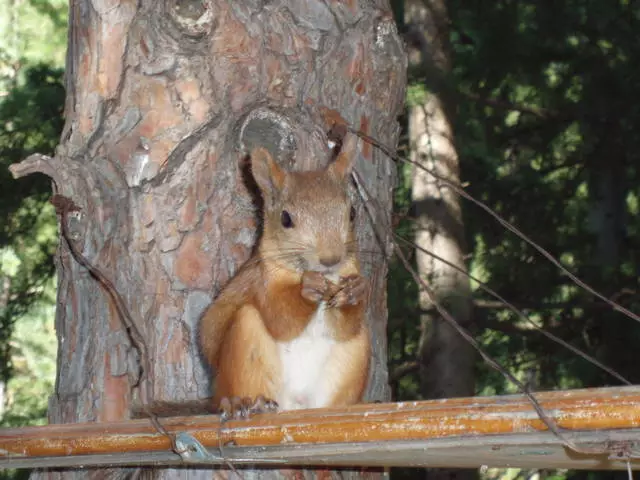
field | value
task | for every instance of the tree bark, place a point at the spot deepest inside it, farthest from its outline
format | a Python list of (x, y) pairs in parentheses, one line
[(446, 359), (162, 100)]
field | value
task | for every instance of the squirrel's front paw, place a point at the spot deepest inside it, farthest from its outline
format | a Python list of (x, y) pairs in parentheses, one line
[(351, 291), (315, 286)]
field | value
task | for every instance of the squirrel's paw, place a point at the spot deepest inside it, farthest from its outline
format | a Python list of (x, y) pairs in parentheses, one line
[(236, 408), (315, 286), (351, 291)]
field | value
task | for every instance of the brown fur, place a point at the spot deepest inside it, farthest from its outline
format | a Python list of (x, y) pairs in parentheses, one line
[(263, 305)]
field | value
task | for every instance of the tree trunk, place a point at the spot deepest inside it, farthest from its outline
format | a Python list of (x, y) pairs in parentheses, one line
[(446, 359), (162, 99), (608, 189)]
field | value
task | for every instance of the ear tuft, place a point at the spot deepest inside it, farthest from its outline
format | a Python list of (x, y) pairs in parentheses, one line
[(266, 172), (343, 165)]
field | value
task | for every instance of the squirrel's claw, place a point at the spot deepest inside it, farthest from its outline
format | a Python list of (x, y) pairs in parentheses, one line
[(351, 291), (236, 408)]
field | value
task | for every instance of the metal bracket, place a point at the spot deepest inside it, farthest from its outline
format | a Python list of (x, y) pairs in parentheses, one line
[(192, 451)]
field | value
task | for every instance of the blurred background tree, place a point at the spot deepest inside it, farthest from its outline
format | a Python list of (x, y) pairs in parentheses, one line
[(544, 98), (32, 50), (544, 124), (544, 111)]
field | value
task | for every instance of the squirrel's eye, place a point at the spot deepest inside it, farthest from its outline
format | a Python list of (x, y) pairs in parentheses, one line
[(352, 214), (285, 219)]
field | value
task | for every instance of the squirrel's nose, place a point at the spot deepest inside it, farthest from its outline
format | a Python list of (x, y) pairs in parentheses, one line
[(330, 260)]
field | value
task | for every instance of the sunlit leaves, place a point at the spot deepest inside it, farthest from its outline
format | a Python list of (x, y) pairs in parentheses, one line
[(32, 50)]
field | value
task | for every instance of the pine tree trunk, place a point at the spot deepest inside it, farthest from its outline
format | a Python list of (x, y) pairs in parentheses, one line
[(162, 98), (608, 189), (446, 359)]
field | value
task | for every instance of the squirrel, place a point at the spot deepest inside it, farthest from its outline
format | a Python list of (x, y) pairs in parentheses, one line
[(290, 327)]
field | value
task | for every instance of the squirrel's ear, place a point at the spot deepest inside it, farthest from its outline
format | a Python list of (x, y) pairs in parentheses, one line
[(343, 165), (266, 172)]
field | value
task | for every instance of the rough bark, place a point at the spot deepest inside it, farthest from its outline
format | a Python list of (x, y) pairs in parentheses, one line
[(162, 99), (446, 359)]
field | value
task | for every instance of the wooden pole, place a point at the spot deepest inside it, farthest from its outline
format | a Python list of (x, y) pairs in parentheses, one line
[(467, 432)]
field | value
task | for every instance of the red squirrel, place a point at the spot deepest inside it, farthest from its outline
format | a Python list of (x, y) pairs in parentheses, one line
[(290, 326)]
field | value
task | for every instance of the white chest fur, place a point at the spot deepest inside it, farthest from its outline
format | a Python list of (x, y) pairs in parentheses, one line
[(303, 361)]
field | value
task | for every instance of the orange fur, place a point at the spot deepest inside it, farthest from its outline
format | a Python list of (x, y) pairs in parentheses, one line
[(262, 310), (350, 368), (240, 341), (248, 363)]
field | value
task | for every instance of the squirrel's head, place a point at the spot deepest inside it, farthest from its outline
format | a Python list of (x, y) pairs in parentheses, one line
[(308, 216)]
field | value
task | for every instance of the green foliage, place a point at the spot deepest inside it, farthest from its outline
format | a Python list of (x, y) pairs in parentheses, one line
[(33, 349), (31, 103), (32, 46), (546, 102), (416, 95), (30, 121), (31, 32), (547, 114)]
